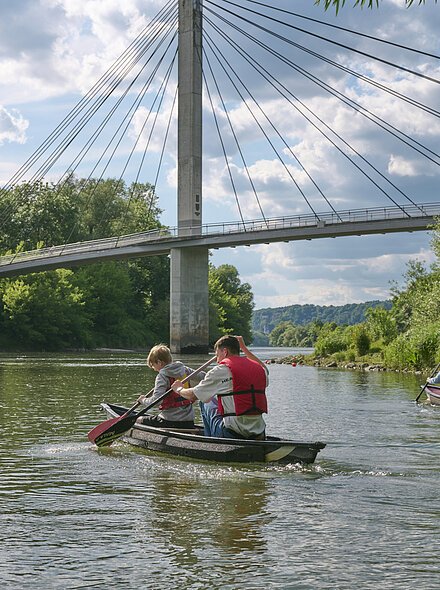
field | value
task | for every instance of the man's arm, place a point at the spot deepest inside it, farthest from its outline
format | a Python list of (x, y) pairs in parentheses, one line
[(208, 387), (250, 355), (187, 393)]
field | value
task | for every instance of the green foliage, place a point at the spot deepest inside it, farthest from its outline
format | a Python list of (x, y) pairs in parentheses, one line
[(331, 339), (401, 353), (361, 340), (110, 304), (231, 303), (265, 320), (44, 311), (289, 334), (338, 4), (42, 214), (381, 324), (418, 348), (260, 339), (75, 210), (402, 334)]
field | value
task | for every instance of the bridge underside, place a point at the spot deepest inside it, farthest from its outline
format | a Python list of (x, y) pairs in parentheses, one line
[(67, 257)]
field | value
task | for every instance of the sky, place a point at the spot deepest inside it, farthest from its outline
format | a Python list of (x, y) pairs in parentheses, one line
[(53, 51)]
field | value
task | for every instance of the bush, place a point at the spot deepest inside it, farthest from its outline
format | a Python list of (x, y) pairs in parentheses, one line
[(330, 341), (401, 353), (361, 341)]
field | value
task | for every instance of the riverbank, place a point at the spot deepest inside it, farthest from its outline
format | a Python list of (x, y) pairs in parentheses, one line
[(331, 363)]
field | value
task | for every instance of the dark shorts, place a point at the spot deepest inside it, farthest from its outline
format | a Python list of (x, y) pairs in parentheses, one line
[(232, 434), (159, 422)]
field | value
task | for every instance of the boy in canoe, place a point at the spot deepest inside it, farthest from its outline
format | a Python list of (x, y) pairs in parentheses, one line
[(232, 395), (175, 410)]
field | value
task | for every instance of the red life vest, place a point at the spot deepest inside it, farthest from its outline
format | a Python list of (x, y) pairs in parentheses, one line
[(173, 399), (248, 387)]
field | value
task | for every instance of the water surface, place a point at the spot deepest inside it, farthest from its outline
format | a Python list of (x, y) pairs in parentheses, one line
[(365, 514)]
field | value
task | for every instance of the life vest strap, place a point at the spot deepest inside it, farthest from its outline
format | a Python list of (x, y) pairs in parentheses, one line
[(252, 411), (229, 393)]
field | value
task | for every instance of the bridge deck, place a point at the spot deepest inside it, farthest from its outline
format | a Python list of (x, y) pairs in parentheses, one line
[(223, 235)]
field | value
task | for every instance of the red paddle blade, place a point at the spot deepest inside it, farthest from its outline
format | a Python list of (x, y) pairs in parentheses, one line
[(105, 433), (101, 428)]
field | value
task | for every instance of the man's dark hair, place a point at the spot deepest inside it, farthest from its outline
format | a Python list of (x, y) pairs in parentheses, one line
[(229, 342)]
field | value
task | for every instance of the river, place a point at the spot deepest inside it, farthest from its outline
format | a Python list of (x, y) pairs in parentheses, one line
[(366, 514)]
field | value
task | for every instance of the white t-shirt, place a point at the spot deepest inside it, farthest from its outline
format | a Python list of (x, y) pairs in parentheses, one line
[(219, 380)]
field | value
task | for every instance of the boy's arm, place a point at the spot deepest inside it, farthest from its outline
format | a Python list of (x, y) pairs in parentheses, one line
[(161, 385)]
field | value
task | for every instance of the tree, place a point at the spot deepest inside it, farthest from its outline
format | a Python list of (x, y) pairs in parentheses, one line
[(381, 324), (42, 215), (44, 311), (231, 303), (111, 304), (331, 339), (361, 340)]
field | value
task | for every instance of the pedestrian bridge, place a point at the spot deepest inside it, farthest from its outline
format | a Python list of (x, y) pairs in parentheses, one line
[(378, 220)]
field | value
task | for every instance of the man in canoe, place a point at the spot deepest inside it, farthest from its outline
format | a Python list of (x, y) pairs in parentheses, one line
[(232, 395), (175, 410)]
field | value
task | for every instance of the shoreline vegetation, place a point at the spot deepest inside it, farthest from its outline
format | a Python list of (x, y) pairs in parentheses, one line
[(403, 338), (125, 304), (330, 363)]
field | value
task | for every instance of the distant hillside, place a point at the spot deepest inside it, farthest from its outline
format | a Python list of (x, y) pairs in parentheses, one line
[(265, 320)]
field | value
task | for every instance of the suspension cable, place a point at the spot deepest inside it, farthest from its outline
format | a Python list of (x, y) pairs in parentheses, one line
[(386, 126), (259, 67), (280, 136), (332, 41), (135, 50), (245, 166), (333, 26)]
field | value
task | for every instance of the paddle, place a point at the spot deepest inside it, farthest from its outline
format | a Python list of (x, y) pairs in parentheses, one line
[(426, 384), (107, 424), (106, 432)]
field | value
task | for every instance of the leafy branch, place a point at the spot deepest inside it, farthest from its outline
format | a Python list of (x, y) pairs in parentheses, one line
[(370, 3)]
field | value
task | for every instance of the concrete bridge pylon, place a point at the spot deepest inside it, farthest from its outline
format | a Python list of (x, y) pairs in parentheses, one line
[(189, 305)]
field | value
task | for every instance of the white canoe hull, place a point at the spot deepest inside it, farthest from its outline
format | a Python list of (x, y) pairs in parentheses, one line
[(433, 393)]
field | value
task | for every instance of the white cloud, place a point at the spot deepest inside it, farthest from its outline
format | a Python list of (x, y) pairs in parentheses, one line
[(52, 51), (401, 166), (12, 126), (65, 45), (327, 272)]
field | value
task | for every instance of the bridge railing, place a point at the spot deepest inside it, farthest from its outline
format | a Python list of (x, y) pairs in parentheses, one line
[(323, 219), (88, 246), (212, 229)]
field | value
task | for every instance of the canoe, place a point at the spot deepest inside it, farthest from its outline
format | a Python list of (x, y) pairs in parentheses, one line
[(193, 444), (433, 393)]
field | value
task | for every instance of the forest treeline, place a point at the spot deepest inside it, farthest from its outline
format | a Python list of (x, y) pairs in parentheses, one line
[(126, 303), (110, 304), (401, 334), (265, 320)]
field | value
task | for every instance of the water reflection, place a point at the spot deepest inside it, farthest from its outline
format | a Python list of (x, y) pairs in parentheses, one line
[(226, 513)]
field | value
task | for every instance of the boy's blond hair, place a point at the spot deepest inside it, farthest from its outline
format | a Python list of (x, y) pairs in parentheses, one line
[(160, 352)]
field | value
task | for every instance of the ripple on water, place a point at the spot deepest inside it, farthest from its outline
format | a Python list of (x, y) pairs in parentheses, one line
[(74, 516)]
